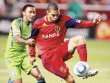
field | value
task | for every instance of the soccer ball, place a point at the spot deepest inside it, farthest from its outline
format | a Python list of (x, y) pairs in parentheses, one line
[(81, 69)]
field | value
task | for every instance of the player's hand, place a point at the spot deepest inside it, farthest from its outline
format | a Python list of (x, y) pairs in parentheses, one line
[(32, 60), (30, 41), (97, 19)]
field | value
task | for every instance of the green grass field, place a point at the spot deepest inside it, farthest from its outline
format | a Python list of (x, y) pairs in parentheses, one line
[(98, 57)]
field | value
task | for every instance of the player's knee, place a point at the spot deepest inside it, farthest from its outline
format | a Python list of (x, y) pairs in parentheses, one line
[(39, 77), (69, 78), (72, 81), (78, 38)]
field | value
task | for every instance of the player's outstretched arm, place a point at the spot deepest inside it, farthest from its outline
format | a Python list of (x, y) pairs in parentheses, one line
[(76, 23), (86, 23)]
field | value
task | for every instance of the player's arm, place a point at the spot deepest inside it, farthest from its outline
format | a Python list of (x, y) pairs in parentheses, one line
[(32, 53), (75, 23), (34, 34), (17, 34), (32, 48), (20, 40)]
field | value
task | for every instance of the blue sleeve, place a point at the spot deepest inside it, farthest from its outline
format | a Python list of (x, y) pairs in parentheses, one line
[(34, 32), (72, 23)]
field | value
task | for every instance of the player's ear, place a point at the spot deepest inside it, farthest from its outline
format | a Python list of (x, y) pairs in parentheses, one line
[(47, 11), (59, 11), (23, 13)]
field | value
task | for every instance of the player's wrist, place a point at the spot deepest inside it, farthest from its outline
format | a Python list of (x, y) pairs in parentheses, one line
[(26, 42), (30, 41), (94, 23)]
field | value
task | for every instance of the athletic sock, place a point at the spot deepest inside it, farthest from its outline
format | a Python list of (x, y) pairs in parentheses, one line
[(82, 51), (41, 81)]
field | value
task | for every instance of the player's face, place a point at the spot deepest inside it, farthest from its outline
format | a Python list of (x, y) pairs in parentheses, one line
[(53, 15), (29, 14)]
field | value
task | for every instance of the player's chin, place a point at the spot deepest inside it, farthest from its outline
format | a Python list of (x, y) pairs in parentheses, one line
[(54, 20), (31, 19)]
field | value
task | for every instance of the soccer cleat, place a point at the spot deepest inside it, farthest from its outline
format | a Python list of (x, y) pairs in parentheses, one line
[(90, 73)]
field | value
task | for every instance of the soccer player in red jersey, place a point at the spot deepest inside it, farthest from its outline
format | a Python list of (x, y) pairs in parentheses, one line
[(49, 33)]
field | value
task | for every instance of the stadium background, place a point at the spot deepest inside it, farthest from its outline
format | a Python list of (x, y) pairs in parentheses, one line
[(98, 39)]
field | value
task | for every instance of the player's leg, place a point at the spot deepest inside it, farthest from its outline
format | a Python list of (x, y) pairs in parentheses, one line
[(15, 75), (32, 70), (36, 73), (69, 78), (54, 63), (13, 64), (78, 43)]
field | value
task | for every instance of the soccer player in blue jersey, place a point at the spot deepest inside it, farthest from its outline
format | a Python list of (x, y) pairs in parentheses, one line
[(16, 55)]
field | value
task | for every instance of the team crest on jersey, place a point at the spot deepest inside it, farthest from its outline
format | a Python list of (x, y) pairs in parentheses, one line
[(62, 69), (57, 28)]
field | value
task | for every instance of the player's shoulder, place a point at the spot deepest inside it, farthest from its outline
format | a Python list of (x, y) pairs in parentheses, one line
[(39, 21), (17, 21), (65, 17)]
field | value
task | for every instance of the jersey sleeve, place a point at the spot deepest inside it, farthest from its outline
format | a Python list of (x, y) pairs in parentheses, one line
[(16, 27), (34, 33), (85, 24), (37, 23), (35, 29), (32, 51), (71, 23), (76, 23)]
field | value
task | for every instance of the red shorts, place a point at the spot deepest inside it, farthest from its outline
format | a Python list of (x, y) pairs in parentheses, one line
[(53, 60)]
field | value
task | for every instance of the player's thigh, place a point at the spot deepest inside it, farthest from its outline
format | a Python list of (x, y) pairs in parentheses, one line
[(26, 66), (62, 51), (74, 42), (14, 71), (55, 64), (14, 65)]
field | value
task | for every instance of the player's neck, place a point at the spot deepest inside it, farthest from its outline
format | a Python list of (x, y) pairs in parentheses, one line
[(25, 21), (48, 19)]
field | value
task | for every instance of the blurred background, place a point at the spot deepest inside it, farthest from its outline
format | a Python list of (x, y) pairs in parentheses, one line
[(80, 9), (98, 38)]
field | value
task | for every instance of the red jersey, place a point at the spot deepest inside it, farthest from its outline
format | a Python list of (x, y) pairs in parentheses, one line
[(52, 35)]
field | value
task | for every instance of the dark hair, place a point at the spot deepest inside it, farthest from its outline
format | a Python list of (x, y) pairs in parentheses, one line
[(27, 5), (52, 6)]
